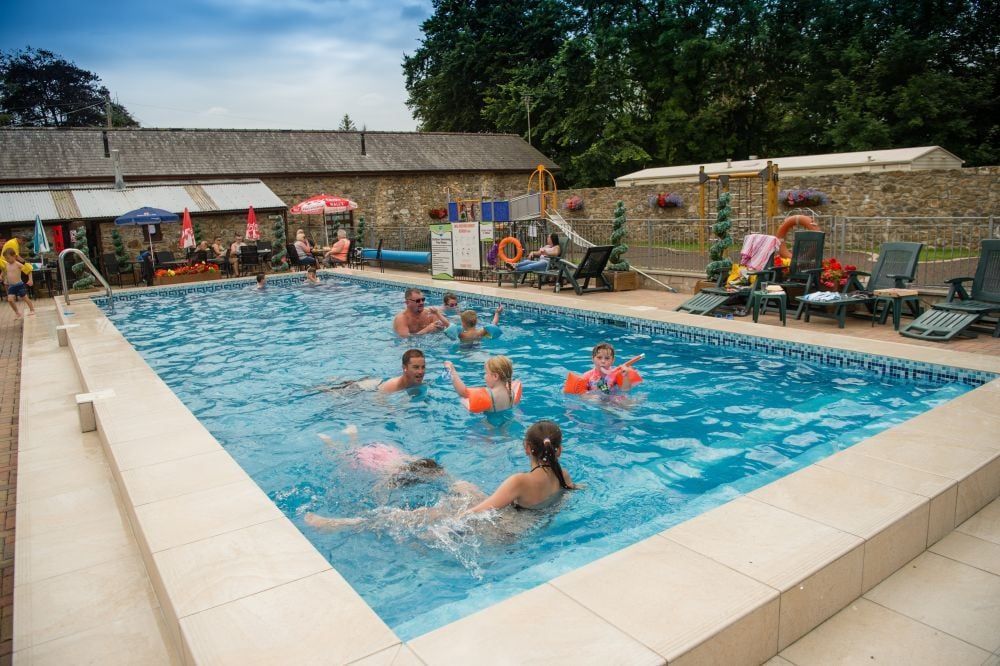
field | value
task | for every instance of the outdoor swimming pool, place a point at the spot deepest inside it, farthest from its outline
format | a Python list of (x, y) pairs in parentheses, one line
[(708, 423)]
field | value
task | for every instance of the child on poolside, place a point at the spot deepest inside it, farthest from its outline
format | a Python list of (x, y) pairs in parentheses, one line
[(534, 489), (311, 277), (13, 270), (501, 391), (469, 332), (605, 377)]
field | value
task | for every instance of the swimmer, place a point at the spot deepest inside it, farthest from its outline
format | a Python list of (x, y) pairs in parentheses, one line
[(605, 377), (469, 331), (501, 391), (534, 489), (415, 319), (449, 303), (311, 277), (261, 280), (399, 469), (414, 369)]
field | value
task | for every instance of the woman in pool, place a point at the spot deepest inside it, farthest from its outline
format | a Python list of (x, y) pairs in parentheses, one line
[(501, 391), (537, 488)]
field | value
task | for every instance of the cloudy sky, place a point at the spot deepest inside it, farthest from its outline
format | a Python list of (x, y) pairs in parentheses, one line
[(291, 64)]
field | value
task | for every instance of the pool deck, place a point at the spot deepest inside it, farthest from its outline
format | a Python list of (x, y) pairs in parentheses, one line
[(136, 552)]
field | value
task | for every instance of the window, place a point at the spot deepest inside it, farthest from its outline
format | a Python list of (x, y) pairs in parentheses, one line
[(157, 232)]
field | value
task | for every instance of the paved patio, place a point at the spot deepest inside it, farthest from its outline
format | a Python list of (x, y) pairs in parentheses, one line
[(943, 607)]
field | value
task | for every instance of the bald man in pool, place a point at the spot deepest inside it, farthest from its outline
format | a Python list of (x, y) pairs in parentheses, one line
[(416, 319)]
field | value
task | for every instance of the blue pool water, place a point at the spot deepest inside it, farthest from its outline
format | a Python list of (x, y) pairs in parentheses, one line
[(708, 422)]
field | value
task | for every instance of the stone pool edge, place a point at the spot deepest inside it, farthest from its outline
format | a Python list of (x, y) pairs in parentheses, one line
[(732, 610)]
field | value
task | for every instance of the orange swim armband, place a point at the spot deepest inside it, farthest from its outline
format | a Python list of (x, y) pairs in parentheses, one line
[(481, 400)]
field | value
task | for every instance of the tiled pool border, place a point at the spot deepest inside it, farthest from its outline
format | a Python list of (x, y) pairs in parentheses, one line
[(566, 624), (882, 365)]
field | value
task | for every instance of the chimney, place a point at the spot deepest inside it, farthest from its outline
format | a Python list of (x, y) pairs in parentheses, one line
[(116, 162), (729, 162), (363, 151)]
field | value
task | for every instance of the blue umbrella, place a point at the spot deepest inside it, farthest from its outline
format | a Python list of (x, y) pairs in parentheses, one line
[(146, 215)]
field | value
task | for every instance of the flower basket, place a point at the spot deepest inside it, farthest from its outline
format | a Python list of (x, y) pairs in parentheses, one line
[(437, 213), (835, 275), (665, 200), (574, 203), (807, 197)]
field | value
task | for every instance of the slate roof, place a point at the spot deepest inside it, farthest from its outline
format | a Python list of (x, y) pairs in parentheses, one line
[(54, 154)]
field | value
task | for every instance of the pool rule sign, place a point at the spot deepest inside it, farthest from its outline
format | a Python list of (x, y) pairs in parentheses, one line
[(442, 267)]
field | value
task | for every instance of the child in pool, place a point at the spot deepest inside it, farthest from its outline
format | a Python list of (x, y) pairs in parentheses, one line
[(534, 489), (605, 377), (261, 282), (311, 277), (469, 331), (398, 468), (501, 391)]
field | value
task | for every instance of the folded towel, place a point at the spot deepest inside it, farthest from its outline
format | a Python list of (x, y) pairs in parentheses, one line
[(774, 289), (757, 250), (822, 296)]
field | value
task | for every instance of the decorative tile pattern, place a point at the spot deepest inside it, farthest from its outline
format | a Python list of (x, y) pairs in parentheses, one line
[(879, 365)]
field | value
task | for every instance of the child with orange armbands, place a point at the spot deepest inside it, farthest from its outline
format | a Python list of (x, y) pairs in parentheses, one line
[(501, 392)]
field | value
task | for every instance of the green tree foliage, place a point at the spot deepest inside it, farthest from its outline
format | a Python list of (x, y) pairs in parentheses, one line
[(616, 261), (347, 125), (84, 280), (121, 254), (40, 89), (279, 258), (620, 86), (721, 264)]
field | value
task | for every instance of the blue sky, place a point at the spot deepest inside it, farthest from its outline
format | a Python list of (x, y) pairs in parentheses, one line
[(291, 64)]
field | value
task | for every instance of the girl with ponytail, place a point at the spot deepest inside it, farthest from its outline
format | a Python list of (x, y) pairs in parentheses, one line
[(534, 489)]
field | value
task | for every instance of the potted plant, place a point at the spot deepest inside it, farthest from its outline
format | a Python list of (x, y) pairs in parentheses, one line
[(622, 278), (720, 265), (665, 200), (183, 274), (438, 213), (574, 203)]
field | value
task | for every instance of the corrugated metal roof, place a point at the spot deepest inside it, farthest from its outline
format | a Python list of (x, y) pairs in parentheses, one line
[(838, 162), (237, 196), (21, 204), (54, 154)]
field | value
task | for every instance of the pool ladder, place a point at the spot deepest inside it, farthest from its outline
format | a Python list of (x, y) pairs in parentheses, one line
[(86, 262)]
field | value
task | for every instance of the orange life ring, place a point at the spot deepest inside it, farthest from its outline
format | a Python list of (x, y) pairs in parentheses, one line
[(804, 221), (510, 240)]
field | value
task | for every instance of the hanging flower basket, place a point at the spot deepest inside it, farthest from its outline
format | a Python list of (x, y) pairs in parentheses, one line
[(806, 197), (574, 203), (665, 200), (438, 213)]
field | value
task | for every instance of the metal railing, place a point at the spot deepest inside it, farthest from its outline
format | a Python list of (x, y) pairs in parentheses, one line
[(951, 244), (90, 266)]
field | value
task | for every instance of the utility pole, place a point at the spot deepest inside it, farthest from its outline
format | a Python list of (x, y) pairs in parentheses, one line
[(527, 106), (107, 109)]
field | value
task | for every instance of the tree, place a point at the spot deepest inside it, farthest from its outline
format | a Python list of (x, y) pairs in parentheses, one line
[(40, 89), (617, 261), (279, 260), (721, 264), (121, 254), (347, 125), (84, 280)]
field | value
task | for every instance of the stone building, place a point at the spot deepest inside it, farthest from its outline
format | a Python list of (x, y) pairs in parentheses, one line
[(67, 177)]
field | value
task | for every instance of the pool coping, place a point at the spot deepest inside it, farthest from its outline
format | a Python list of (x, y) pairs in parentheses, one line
[(883, 504)]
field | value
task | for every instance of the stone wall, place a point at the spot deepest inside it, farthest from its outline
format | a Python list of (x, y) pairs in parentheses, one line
[(973, 192)]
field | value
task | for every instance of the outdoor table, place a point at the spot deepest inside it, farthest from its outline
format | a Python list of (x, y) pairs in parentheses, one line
[(894, 302), (839, 304)]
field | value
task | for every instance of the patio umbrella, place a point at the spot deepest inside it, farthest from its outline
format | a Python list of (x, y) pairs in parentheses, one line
[(253, 231), (146, 215), (187, 231), (41, 242), (321, 204)]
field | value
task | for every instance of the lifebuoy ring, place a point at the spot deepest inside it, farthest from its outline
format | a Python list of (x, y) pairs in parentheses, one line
[(510, 240), (804, 221)]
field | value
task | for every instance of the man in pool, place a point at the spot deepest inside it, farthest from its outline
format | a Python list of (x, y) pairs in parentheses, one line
[(415, 319), (414, 368)]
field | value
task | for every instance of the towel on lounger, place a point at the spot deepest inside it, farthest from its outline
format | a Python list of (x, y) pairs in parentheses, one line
[(757, 250)]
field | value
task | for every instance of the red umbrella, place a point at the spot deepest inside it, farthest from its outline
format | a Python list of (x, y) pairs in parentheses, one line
[(187, 231), (322, 204), (253, 231)]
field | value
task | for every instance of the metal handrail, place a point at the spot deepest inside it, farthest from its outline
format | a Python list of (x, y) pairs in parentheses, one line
[(86, 261)]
